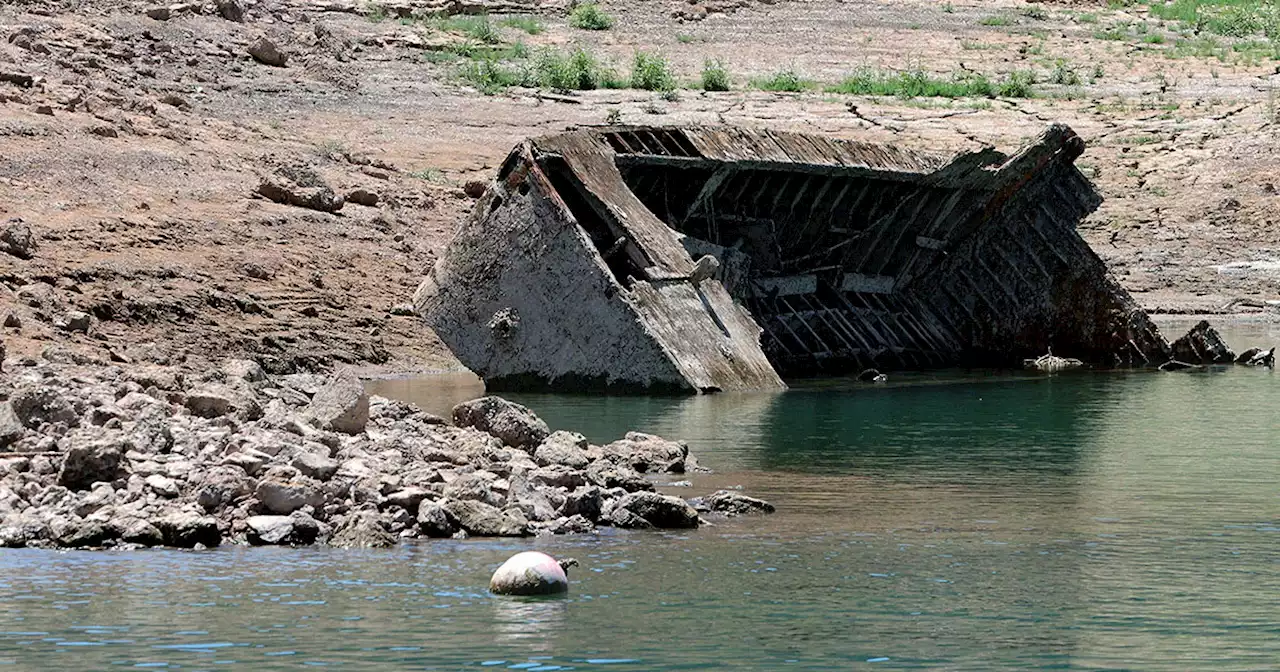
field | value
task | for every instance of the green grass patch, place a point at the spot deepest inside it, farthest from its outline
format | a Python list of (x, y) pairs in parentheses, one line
[(1153, 38), (490, 76), (478, 27), (1087, 17), (783, 80), (428, 174), (1064, 73), (1230, 18), (528, 24), (578, 70), (685, 38), (651, 72), (998, 20), (1036, 12), (921, 84), (715, 77), (589, 16)]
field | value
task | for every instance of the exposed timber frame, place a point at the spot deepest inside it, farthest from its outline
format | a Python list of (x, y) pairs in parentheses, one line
[(717, 258)]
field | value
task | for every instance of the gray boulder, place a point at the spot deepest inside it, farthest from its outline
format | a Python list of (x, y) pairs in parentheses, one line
[(297, 530), (316, 466), (647, 453), (341, 405), (564, 448), (362, 529), (163, 485), (85, 465), (607, 475), (17, 240), (214, 400), (285, 497), (659, 510), (38, 406), (435, 520), (483, 520), (187, 529), (586, 501), (138, 531), (266, 52), (221, 487), (513, 424), (11, 428)]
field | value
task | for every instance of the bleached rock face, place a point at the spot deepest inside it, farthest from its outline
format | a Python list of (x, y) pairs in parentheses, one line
[(529, 573)]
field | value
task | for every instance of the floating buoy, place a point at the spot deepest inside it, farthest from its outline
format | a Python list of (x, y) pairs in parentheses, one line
[(532, 573)]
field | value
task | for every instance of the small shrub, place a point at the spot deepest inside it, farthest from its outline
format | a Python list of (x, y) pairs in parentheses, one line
[(1154, 38), (715, 77), (376, 13), (1064, 73), (997, 20), (577, 71), (490, 76), (651, 73), (477, 27), (528, 24), (784, 80), (1036, 12), (613, 117), (589, 16), (685, 38), (428, 174), (1017, 84), (948, 8)]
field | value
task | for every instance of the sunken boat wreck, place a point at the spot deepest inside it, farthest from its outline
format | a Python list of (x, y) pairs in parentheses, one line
[(698, 259)]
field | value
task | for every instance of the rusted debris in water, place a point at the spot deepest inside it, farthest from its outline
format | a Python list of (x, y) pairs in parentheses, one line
[(721, 258)]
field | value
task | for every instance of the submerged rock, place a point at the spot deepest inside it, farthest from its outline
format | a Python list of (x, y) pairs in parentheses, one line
[(531, 573), (730, 503)]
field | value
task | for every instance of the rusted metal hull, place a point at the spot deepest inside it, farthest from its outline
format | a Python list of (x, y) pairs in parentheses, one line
[(584, 265)]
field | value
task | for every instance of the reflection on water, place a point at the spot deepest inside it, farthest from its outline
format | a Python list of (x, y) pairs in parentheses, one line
[(1091, 520)]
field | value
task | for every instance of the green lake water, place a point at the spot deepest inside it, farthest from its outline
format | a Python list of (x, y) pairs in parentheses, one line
[(958, 521)]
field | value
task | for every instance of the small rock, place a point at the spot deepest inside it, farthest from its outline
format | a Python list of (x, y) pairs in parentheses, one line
[(1202, 345), (319, 198), (163, 486), (159, 13), (316, 466), (46, 110), (74, 321), (104, 131), (513, 424), (17, 240), (363, 197), (283, 498), (231, 10), (341, 405), (731, 503), (266, 52), (586, 502), (12, 321), (214, 400), (403, 310)]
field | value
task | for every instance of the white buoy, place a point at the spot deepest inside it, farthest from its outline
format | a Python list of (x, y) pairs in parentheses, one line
[(531, 573)]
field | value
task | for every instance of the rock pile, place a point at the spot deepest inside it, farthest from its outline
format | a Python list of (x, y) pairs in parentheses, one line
[(114, 457)]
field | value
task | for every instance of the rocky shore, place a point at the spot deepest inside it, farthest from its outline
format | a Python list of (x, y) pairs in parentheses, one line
[(150, 456)]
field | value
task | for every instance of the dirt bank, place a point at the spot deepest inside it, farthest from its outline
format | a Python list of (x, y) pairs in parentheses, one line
[(143, 147)]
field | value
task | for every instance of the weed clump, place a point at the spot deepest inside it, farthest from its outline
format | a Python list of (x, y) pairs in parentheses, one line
[(589, 16), (651, 73), (783, 80), (715, 77)]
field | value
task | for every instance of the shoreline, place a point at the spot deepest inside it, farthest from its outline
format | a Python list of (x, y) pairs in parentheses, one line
[(116, 457)]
